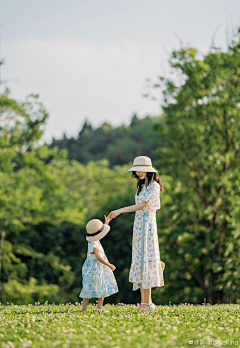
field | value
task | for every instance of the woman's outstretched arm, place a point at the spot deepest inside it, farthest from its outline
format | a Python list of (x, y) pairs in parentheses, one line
[(129, 209)]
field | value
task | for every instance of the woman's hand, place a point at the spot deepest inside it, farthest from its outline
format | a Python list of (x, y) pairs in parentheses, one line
[(112, 267), (114, 214)]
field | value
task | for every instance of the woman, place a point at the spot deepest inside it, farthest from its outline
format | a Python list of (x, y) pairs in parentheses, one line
[(146, 271)]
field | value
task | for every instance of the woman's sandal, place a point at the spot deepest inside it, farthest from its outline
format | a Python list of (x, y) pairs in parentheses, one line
[(102, 310), (151, 307)]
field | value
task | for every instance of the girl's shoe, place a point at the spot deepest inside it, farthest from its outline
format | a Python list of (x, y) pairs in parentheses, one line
[(102, 310), (151, 307)]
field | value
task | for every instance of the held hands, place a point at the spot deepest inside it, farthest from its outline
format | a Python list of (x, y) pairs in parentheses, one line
[(114, 214)]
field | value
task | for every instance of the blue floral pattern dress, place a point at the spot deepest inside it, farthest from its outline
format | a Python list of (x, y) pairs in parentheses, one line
[(98, 279), (146, 266)]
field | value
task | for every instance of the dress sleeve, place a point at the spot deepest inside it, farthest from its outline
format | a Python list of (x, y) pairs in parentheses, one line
[(152, 196), (93, 245)]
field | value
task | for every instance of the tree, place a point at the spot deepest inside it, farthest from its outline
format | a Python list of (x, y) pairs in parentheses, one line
[(20, 126), (119, 145), (29, 191), (201, 133)]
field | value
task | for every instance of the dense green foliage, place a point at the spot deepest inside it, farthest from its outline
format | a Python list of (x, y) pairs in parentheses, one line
[(169, 326), (201, 134), (47, 195), (119, 145)]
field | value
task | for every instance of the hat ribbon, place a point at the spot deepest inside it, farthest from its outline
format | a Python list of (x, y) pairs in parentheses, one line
[(95, 233), (142, 165)]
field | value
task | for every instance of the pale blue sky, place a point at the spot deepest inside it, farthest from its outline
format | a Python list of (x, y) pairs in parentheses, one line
[(89, 59)]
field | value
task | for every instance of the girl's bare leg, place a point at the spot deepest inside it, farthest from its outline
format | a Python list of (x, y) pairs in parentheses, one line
[(100, 303), (145, 298), (85, 303)]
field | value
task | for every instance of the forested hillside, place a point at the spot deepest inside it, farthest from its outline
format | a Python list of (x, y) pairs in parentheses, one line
[(49, 193), (119, 145)]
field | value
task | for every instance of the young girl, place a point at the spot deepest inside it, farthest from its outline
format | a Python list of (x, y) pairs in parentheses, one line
[(97, 272)]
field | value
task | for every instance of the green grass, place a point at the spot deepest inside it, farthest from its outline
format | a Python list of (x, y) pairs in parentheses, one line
[(169, 326)]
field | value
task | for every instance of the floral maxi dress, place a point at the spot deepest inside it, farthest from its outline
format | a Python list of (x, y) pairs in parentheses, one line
[(98, 279), (146, 266)]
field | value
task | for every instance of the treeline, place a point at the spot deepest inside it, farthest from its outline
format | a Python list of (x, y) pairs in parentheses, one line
[(46, 198), (119, 145)]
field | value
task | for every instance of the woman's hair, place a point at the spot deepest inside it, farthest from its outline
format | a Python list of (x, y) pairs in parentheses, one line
[(151, 177)]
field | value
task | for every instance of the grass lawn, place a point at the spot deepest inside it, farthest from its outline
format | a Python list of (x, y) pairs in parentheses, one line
[(169, 326)]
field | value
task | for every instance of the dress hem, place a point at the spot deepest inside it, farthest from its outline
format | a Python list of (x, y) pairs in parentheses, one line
[(99, 296), (154, 286)]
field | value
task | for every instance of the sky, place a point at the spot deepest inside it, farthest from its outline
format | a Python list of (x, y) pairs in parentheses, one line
[(89, 60)]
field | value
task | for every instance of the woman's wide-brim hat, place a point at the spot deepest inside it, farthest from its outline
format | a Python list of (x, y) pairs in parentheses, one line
[(142, 164), (96, 230)]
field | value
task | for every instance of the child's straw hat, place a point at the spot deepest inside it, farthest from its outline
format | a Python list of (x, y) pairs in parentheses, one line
[(142, 164), (96, 230)]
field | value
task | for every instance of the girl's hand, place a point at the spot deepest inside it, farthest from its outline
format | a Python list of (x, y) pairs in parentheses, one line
[(112, 267), (107, 219)]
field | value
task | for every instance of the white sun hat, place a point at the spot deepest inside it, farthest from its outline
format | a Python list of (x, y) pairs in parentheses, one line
[(142, 164), (96, 230)]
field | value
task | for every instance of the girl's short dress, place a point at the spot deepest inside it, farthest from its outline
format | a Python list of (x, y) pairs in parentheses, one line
[(98, 279)]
